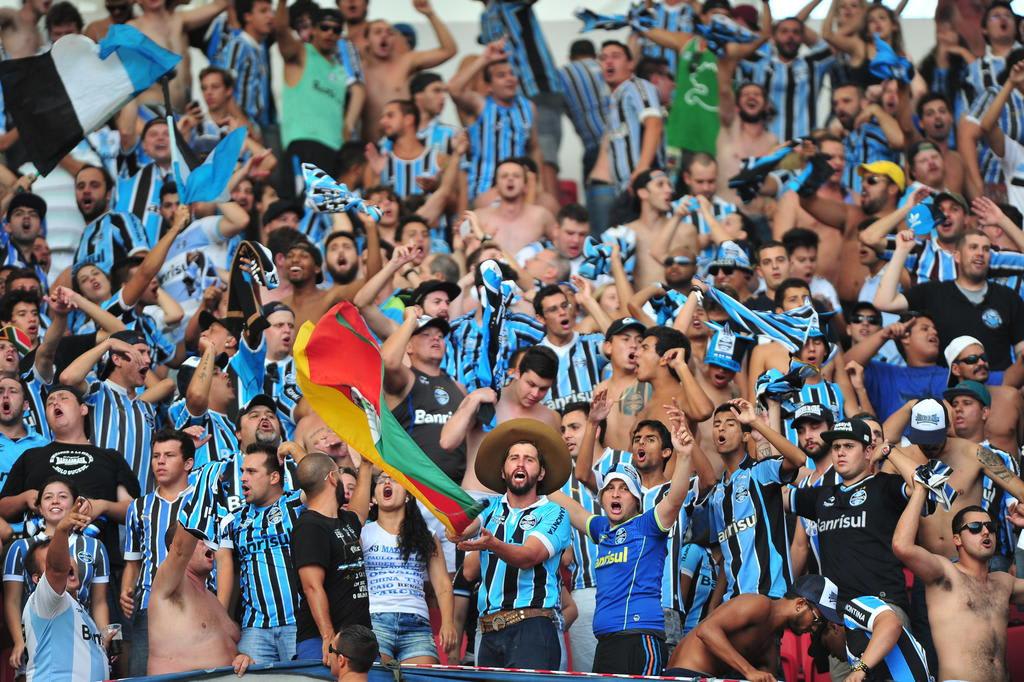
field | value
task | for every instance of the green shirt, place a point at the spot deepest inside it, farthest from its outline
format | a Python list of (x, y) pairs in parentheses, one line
[(314, 108), (693, 119)]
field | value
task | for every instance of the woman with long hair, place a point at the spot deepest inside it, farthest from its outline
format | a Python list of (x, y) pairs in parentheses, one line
[(401, 554), (859, 45), (56, 497)]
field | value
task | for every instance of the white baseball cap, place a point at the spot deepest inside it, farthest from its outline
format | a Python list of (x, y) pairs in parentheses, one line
[(928, 422), (955, 348)]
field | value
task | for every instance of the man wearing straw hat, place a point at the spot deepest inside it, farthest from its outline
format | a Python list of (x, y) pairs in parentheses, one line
[(521, 538)]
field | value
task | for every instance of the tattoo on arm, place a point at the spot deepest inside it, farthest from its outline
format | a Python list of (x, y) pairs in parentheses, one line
[(993, 464)]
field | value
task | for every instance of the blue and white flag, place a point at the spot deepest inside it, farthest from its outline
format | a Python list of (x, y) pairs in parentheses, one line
[(639, 18), (325, 195), (204, 179), (492, 364), (888, 65), (58, 97)]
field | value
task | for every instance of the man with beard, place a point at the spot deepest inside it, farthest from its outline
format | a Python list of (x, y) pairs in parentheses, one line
[(109, 236), (623, 392), (935, 117), (971, 404), (744, 130), (971, 645), (871, 133), (787, 71), (968, 302), (343, 259), (405, 157), (967, 361), (520, 537), (388, 69), (522, 398), (328, 559), (512, 222), (810, 420)]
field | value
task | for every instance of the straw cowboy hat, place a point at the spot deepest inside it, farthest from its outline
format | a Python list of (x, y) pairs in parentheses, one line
[(490, 458)]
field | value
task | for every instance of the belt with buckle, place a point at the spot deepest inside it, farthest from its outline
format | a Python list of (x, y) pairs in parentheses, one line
[(496, 622)]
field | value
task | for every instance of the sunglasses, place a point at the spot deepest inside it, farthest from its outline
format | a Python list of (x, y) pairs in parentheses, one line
[(974, 527), (724, 269), (973, 359), (333, 28), (677, 260), (874, 179), (868, 319)]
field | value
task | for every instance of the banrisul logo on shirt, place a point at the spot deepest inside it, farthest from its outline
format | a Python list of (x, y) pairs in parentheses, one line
[(71, 462)]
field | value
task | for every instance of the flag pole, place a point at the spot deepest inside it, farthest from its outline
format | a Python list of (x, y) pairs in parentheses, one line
[(165, 85)]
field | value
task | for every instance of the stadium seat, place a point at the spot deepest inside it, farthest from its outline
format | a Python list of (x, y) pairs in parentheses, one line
[(1015, 652), (568, 192), (789, 656)]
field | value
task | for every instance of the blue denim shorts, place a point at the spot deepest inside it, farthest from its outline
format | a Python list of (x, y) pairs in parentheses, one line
[(402, 636)]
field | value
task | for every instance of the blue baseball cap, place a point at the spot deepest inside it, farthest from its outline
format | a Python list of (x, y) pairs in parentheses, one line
[(627, 474)]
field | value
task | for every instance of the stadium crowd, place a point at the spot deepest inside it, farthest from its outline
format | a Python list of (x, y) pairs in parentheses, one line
[(744, 399)]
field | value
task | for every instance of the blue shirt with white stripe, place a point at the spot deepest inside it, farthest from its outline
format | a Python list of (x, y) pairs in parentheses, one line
[(499, 132), (1011, 122), (261, 539), (147, 522), (250, 64), (525, 44), (995, 500), (580, 367), (89, 552), (628, 595), (587, 99), (793, 88), (584, 552), (348, 57), (747, 520), (697, 564), (905, 662), (824, 392), (122, 422), (463, 352), (139, 195), (865, 144), (505, 587), (437, 135), (223, 443), (633, 102), (401, 174), (678, 19), (929, 262), (110, 239)]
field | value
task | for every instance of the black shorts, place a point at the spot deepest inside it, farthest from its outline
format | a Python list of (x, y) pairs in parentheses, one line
[(629, 653), (683, 672)]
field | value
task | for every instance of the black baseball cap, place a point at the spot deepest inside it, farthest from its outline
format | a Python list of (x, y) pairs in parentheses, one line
[(276, 307), (131, 336), (624, 324), (30, 200), (208, 319), (425, 322), (328, 14), (259, 400), (850, 429), (429, 287), (819, 591), (279, 208), (813, 412)]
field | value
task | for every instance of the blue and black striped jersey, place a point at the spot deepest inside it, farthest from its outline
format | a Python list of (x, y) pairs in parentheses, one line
[(121, 422), (905, 662), (499, 132), (147, 522), (89, 552), (580, 367)]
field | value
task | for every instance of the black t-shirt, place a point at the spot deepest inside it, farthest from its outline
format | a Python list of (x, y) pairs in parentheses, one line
[(998, 321), (333, 544), (97, 472), (761, 302), (855, 528)]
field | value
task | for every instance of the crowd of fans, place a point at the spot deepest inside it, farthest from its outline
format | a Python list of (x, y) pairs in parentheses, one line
[(765, 358)]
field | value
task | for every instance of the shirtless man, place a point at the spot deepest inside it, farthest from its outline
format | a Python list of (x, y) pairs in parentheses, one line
[(742, 635), (664, 363), (656, 227), (390, 70), (970, 463), (169, 29), (626, 396), (514, 223), (968, 607), (743, 132), (521, 398), (831, 239), (936, 119), (189, 628), (304, 270), (118, 12), (19, 29)]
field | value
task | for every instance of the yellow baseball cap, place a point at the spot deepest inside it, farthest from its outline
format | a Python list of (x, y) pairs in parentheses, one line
[(886, 168)]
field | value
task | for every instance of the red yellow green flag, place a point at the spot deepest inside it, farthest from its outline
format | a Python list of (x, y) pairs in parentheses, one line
[(341, 373)]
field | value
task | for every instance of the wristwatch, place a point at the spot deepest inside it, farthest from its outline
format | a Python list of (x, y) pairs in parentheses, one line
[(861, 666)]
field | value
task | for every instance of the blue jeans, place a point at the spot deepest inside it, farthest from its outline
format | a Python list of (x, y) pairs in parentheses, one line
[(600, 197), (310, 649), (402, 636), (530, 644), (139, 655), (268, 645)]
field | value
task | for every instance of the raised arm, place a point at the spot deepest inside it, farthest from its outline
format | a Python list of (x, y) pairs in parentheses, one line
[(291, 47), (428, 59), (585, 297), (925, 565), (202, 15), (683, 445), (673, 40), (888, 298), (154, 260), (850, 44), (874, 235), (171, 572), (989, 122), (997, 471), (397, 376), (458, 87), (792, 457), (600, 408), (578, 516), (58, 556)]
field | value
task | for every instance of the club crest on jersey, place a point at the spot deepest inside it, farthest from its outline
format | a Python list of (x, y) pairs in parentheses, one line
[(441, 396), (742, 492), (859, 498), (85, 557), (528, 522), (620, 536), (274, 515)]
